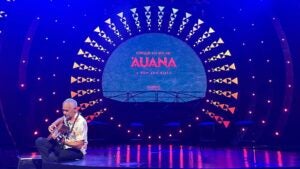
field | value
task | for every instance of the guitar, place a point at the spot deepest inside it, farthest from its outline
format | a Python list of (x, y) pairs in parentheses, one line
[(59, 133)]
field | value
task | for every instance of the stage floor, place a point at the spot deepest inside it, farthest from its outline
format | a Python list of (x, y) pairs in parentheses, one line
[(182, 156)]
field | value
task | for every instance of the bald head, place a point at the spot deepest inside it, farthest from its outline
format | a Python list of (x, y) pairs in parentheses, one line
[(71, 101), (69, 108)]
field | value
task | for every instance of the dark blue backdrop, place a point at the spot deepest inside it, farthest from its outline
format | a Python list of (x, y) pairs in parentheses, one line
[(40, 40)]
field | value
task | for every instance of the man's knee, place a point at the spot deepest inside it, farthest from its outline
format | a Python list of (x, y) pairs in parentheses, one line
[(40, 141)]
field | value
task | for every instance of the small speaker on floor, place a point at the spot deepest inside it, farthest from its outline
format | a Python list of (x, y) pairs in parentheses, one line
[(30, 163)]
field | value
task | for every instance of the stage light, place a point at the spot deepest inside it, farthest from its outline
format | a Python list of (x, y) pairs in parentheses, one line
[(270, 81), (289, 85), (119, 125), (253, 94), (40, 99), (54, 75), (57, 111), (263, 121), (38, 78), (28, 38), (35, 133), (253, 77), (111, 118), (22, 85), (170, 135), (57, 58), (180, 131), (268, 60), (250, 112), (139, 135), (243, 129), (23, 61), (197, 118), (159, 137), (46, 120), (41, 57), (288, 62), (53, 93), (269, 101), (149, 137), (128, 131), (282, 39), (276, 133), (104, 109), (285, 110), (189, 125)]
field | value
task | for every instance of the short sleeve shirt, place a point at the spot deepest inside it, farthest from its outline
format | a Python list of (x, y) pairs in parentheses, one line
[(78, 133)]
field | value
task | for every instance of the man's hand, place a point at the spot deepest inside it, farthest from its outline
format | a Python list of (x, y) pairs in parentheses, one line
[(54, 125), (51, 128)]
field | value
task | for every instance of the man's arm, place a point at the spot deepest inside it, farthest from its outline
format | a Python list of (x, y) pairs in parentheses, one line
[(55, 124), (59, 120), (74, 144)]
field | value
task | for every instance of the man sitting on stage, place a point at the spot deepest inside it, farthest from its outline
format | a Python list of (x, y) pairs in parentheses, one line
[(68, 136)]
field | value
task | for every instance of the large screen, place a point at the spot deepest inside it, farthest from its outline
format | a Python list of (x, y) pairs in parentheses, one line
[(154, 67)]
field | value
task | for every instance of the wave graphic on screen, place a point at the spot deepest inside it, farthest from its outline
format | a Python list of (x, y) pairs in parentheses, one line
[(154, 67)]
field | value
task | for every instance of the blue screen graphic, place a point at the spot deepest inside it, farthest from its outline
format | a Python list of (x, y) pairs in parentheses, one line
[(154, 67)]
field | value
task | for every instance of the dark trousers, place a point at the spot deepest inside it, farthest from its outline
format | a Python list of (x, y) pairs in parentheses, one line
[(51, 151)]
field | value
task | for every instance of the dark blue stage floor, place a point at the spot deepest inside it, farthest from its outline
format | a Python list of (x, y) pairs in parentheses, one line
[(176, 156)]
